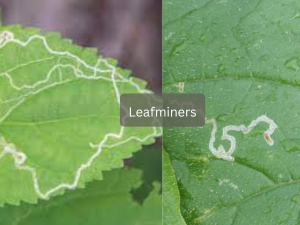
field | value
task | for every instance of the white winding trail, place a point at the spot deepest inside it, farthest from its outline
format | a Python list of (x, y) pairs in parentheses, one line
[(221, 153), (20, 157)]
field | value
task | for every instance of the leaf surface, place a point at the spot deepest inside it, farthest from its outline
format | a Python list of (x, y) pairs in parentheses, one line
[(59, 115), (101, 202), (244, 57), (171, 198)]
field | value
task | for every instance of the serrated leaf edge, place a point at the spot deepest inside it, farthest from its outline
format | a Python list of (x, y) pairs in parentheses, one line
[(20, 157)]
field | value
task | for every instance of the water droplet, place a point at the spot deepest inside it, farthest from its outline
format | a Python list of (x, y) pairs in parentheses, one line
[(234, 50), (202, 38), (221, 68), (223, 48), (296, 16), (291, 145), (238, 108), (219, 57), (264, 58), (179, 48), (292, 64), (295, 198), (222, 118)]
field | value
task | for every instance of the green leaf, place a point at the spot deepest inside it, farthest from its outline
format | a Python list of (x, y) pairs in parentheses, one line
[(59, 115), (244, 57), (101, 202), (150, 161), (171, 204)]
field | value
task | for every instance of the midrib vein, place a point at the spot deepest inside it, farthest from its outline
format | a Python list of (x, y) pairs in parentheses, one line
[(20, 123)]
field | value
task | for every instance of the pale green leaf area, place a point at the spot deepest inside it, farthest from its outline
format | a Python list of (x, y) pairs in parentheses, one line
[(171, 199), (101, 202), (244, 57), (59, 115)]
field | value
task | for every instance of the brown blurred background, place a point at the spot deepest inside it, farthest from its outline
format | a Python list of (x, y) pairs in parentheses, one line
[(127, 30)]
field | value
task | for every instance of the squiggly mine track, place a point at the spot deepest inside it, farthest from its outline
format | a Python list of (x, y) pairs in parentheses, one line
[(221, 153), (20, 157)]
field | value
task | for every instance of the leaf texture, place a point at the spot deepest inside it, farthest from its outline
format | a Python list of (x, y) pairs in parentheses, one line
[(171, 203), (59, 115), (102, 202), (244, 57)]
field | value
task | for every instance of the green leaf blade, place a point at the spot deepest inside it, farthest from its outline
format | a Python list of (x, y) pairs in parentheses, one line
[(93, 205), (244, 60), (59, 115), (171, 198)]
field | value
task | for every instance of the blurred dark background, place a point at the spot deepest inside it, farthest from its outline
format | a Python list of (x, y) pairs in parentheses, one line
[(127, 30)]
